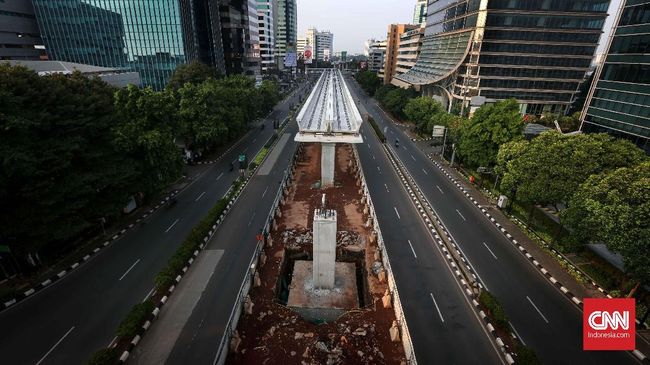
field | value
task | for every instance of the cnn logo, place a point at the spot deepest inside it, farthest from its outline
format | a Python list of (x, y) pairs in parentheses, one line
[(608, 324)]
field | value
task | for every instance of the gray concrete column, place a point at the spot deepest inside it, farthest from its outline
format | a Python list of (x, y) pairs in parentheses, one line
[(324, 248), (327, 158)]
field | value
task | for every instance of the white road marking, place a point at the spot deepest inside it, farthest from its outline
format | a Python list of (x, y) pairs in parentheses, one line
[(493, 255), (255, 139), (442, 192), (199, 197), (398, 217), (112, 342), (387, 188), (245, 149), (220, 175), (425, 172), (460, 215), (373, 157), (368, 144), (251, 220), (412, 157), (264, 193), (436, 304), (537, 309), (412, 250), (517, 333), (127, 271), (148, 295), (173, 224), (55, 345), (378, 169)]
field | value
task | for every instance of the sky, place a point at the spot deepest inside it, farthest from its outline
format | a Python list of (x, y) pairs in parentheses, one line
[(354, 21)]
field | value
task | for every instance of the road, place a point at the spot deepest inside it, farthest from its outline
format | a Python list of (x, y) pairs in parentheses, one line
[(545, 319), (442, 323), (66, 322)]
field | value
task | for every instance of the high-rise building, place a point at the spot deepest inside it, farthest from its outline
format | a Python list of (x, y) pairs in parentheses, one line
[(376, 53), (534, 51), (266, 11), (300, 45), (395, 32), (240, 35), (149, 37), (20, 38), (408, 51), (286, 32), (312, 40), (324, 45), (420, 12), (619, 100)]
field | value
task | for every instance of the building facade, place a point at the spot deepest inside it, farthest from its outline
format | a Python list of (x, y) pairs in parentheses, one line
[(408, 52), (376, 54), (20, 38), (266, 10), (537, 52), (240, 36), (301, 42), (394, 35), (147, 37), (324, 45), (619, 100), (286, 32), (420, 12)]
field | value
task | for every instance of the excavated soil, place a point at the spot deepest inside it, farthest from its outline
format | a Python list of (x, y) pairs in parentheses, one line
[(274, 333)]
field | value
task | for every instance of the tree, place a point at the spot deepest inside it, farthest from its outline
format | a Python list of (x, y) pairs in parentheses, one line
[(451, 121), (614, 208), (395, 99), (369, 81), (145, 132), (61, 170), (193, 73), (269, 96), (491, 126), (420, 111)]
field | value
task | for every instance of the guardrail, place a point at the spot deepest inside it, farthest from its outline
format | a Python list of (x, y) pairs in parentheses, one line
[(407, 343)]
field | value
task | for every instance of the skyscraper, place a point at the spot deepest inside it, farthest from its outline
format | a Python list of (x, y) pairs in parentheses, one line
[(266, 11), (20, 38), (619, 100), (420, 12), (324, 45), (240, 32), (286, 33), (150, 37), (534, 51), (393, 37)]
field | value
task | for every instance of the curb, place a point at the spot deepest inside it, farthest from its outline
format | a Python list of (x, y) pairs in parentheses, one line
[(87, 257)]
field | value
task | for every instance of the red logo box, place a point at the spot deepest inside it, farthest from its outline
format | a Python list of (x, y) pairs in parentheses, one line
[(608, 324)]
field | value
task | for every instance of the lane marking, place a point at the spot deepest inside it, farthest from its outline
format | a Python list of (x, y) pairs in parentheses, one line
[(436, 304), (441, 192), (127, 271), (245, 149), (264, 193), (55, 345), (251, 220), (148, 295), (387, 188), (112, 342), (173, 224), (254, 140), (412, 250), (537, 309), (493, 255), (220, 175), (425, 172), (517, 333), (378, 169), (373, 157), (412, 157), (461, 215), (199, 197), (398, 217), (368, 144)]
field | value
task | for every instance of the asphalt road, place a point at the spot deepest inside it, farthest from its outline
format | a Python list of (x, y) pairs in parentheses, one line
[(544, 318), (442, 323), (199, 340), (66, 322)]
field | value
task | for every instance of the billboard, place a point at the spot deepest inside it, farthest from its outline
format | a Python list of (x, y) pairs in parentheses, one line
[(308, 54)]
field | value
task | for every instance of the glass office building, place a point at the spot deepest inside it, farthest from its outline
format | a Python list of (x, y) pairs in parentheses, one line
[(20, 38), (537, 52), (151, 37), (619, 101), (286, 30)]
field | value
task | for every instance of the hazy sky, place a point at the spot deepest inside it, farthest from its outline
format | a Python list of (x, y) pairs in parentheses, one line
[(355, 21)]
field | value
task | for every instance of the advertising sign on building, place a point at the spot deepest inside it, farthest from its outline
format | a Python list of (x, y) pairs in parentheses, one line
[(291, 58), (308, 54), (326, 54)]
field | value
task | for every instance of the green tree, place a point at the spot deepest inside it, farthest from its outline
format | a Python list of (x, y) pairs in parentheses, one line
[(269, 96), (145, 132), (60, 169), (369, 81), (614, 208), (395, 100), (200, 123), (420, 111), (193, 73), (491, 126), (451, 121)]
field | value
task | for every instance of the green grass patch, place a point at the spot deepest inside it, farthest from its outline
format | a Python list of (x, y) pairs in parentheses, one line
[(494, 310), (378, 131), (133, 321)]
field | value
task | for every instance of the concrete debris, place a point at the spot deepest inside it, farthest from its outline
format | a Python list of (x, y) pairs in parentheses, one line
[(293, 353), (377, 267), (298, 335), (306, 353), (322, 346), (394, 332), (248, 305), (360, 353), (359, 332)]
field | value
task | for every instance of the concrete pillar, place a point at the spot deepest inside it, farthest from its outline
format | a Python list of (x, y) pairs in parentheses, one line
[(327, 158), (324, 248)]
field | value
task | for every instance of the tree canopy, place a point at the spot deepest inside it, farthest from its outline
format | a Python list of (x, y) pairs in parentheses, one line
[(491, 126), (194, 73), (369, 81), (420, 111)]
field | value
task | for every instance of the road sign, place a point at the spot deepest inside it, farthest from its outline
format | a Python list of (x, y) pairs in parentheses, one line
[(438, 131)]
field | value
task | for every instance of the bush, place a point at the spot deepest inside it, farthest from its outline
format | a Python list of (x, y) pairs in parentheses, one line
[(495, 310), (104, 357), (526, 356), (378, 131), (130, 325)]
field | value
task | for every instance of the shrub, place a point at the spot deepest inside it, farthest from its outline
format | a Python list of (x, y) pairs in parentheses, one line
[(378, 131), (495, 310), (104, 357), (130, 325), (526, 356)]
